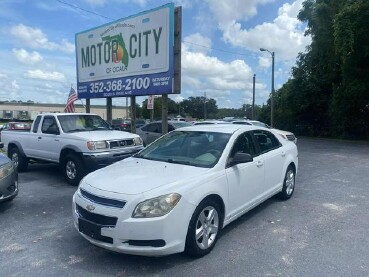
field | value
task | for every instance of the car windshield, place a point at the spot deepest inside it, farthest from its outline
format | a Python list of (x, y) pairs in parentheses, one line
[(194, 148), (82, 122)]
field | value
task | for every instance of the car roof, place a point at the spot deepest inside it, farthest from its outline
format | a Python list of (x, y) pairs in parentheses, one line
[(220, 128), (67, 114)]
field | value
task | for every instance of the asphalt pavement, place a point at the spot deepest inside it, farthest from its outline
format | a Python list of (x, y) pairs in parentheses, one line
[(323, 230)]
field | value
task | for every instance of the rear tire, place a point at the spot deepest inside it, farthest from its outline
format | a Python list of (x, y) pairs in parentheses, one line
[(288, 184), (73, 169), (20, 161), (204, 229)]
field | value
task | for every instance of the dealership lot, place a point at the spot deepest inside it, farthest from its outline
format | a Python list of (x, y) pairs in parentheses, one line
[(323, 230)]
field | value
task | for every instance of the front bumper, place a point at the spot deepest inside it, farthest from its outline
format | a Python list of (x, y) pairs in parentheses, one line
[(9, 186), (96, 160), (139, 236)]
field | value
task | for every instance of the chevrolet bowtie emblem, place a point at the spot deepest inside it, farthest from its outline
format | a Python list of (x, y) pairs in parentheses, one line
[(90, 208)]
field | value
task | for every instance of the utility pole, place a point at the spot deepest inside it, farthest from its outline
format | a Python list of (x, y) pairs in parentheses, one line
[(272, 90), (204, 105), (253, 98)]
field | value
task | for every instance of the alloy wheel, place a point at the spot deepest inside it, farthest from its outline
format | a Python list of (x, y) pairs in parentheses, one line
[(207, 227)]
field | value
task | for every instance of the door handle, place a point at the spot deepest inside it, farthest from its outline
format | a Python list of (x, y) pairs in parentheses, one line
[(56, 140), (259, 163), (39, 137)]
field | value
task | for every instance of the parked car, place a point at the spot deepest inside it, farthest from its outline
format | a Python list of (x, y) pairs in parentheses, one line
[(285, 134), (153, 130), (179, 192), (207, 122), (16, 126), (78, 142), (20, 126), (125, 124), (8, 178)]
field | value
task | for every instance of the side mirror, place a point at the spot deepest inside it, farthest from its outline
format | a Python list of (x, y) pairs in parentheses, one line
[(240, 158)]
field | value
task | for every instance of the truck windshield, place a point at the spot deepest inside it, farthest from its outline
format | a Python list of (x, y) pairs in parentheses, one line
[(82, 122)]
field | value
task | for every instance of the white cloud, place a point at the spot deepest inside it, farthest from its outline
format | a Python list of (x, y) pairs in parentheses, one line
[(14, 85), (265, 61), (198, 43), (35, 38), (226, 11), (41, 75), (3, 76), (27, 57), (284, 35)]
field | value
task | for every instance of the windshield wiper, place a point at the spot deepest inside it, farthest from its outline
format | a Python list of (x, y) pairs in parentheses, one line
[(77, 130), (178, 162)]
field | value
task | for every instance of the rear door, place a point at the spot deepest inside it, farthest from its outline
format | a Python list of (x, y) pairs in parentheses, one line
[(271, 151)]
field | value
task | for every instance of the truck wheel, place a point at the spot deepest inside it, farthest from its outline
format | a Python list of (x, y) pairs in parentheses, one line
[(19, 160), (73, 169)]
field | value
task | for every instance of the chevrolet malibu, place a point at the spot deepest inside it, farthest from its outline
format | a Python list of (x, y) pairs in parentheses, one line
[(178, 193)]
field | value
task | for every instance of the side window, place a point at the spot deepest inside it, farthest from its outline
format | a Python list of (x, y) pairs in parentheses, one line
[(170, 128), (154, 128), (266, 141), (49, 125), (244, 144), (36, 123)]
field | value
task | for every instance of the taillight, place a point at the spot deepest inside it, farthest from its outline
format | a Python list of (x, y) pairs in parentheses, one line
[(124, 125)]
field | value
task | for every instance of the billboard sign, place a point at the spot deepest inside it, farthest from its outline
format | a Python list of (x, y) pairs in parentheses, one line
[(128, 57)]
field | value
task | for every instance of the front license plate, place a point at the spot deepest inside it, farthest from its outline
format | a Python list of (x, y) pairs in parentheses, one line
[(89, 229)]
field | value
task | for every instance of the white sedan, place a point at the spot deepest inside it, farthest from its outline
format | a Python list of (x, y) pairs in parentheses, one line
[(178, 193)]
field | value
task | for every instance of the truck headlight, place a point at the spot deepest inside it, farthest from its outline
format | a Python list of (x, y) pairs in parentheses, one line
[(6, 170), (137, 141), (157, 206), (95, 145)]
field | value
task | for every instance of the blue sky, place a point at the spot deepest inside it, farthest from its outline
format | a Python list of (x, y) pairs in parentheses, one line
[(220, 46)]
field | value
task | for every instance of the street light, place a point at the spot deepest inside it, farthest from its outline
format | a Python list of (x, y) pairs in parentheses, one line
[(272, 93)]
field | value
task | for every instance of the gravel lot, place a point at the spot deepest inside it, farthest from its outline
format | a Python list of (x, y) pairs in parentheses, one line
[(323, 230)]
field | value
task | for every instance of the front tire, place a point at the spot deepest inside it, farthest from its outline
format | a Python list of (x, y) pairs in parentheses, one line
[(204, 229), (20, 161), (73, 169), (288, 184)]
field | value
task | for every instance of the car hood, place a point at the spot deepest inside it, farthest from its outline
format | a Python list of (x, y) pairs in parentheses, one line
[(103, 135), (4, 159), (134, 176)]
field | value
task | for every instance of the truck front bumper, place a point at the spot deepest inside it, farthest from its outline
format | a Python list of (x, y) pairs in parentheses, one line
[(100, 159)]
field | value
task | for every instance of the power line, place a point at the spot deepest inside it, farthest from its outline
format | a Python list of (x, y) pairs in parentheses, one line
[(216, 49), (187, 42), (82, 9)]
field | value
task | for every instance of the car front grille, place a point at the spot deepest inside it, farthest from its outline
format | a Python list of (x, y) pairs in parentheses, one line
[(99, 219), (290, 137), (120, 143), (102, 200)]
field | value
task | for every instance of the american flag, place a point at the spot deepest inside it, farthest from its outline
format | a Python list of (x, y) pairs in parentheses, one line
[(69, 108)]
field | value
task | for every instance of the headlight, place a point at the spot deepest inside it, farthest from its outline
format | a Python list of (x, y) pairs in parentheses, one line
[(157, 206), (6, 170), (95, 145), (137, 141)]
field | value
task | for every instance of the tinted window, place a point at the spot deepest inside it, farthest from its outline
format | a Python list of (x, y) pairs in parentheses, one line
[(36, 123), (266, 140), (244, 144), (49, 125), (154, 128)]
